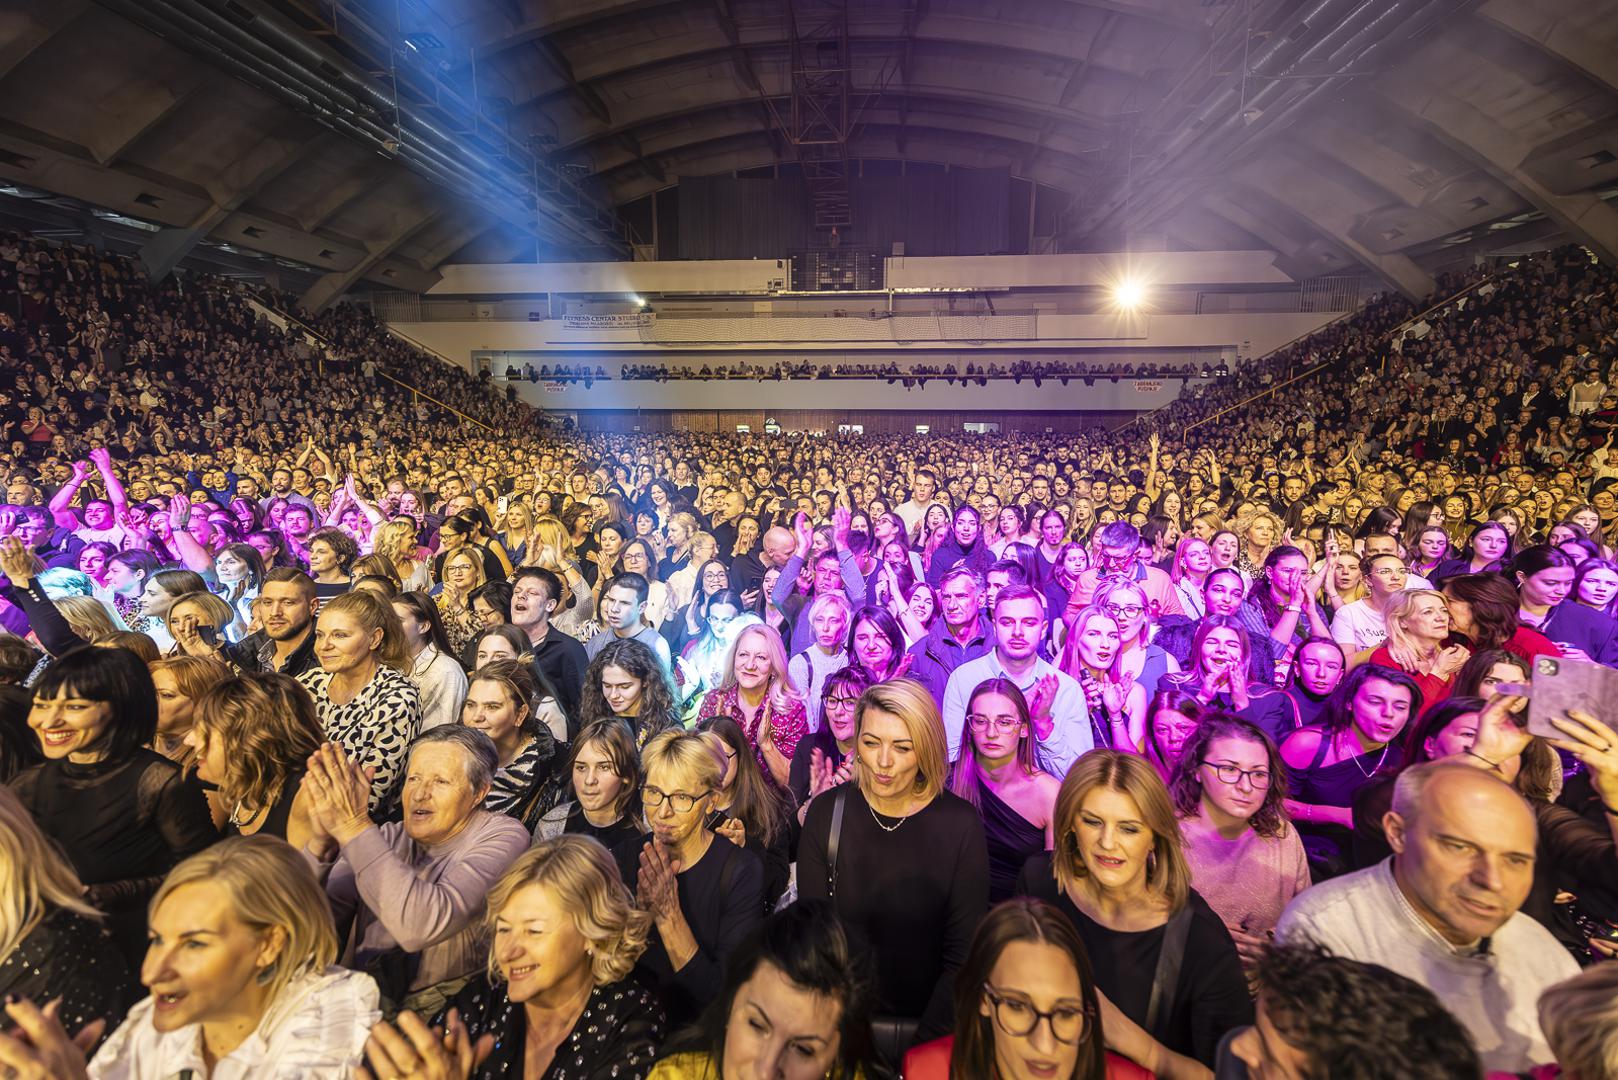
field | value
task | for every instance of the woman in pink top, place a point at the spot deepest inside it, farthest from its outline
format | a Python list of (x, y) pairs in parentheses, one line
[(1246, 859), (758, 694)]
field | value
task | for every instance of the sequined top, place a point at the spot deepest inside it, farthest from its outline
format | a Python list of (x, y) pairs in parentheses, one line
[(617, 1035), (70, 956)]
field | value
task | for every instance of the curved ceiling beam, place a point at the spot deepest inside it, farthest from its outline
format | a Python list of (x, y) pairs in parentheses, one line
[(1322, 208), (1562, 38), (1016, 42), (1502, 155), (728, 96), (970, 132)]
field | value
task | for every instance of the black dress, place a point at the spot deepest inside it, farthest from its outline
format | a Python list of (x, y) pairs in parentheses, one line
[(915, 893), (617, 1035), (1210, 997), (123, 825), (1330, 846), (722, 897), (275, 822), (1012, 841), (71, 957)]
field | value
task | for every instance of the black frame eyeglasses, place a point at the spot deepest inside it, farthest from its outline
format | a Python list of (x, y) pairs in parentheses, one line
[(652, 797), (1018, 1018), (1231, 774)]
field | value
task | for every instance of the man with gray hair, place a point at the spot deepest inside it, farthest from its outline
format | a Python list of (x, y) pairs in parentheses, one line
[(1119, 555), (1443, 910)]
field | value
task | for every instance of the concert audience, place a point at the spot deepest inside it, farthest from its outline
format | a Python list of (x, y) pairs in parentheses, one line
[(183, 482)]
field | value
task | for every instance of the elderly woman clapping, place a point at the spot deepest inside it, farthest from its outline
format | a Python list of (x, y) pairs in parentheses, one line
[(416, 889)]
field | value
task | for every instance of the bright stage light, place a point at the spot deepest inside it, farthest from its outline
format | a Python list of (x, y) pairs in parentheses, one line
[(1129, 294)]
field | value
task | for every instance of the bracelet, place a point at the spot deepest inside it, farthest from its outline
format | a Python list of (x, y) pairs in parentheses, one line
[(1295, 610), (1491, 764)]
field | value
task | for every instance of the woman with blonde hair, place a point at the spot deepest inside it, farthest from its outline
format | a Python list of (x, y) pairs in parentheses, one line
[(759, 695), (52, 944), (362, 690), (252, 739), (562, 996), (1117, 705), (396, 542), (197, 622), (1119, 873), (704, 893), (903, 859), (462, 574), (256, 993), (181, 681), (551, 547), (1420, 642)]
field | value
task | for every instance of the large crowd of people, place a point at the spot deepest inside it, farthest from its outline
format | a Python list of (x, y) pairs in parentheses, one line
[(342, 737)]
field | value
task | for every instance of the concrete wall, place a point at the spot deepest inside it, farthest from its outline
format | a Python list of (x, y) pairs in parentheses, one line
[(709, 276)]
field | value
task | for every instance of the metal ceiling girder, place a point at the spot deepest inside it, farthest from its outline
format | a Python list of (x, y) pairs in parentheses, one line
[(325, 291), (1501, 154)]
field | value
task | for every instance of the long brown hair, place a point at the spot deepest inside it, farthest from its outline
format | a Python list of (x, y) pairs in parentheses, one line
[(964, 776), (1132, 775), (1006, 924), (1270, 819)]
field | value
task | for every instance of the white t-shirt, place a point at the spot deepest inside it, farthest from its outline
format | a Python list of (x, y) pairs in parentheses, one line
[(1358, 626)]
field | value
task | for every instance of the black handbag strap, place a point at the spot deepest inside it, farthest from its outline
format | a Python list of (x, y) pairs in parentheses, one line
[(1167, 978), (839, 802)]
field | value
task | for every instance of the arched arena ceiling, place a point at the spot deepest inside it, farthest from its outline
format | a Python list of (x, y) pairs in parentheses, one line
[(1339, 133)]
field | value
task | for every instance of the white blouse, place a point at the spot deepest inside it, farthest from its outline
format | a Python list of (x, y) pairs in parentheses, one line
[(316, 1029)]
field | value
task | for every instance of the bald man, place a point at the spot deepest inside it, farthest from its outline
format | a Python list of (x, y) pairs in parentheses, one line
[(747, 572), (1443, 910)]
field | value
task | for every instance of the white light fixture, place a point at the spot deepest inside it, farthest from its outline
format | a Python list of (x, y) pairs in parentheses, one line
[(1129, 294)]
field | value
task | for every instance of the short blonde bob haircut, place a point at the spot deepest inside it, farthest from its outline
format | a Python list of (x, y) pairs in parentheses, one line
[(1401, 605), (1167, 873), (89, 618), (908, 700), (374, 613), (271, 887), (697, 758), (214, 611), (34, 878), (582, 878), (1579, 1017)]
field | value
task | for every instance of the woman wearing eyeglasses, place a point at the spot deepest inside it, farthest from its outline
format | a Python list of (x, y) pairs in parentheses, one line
[(1139, 660), (825, 758), (1025, 1007), (998, 773), (704, 893), (1246, 859)]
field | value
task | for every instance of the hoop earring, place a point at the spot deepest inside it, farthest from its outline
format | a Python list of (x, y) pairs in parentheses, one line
[(1151, 862)]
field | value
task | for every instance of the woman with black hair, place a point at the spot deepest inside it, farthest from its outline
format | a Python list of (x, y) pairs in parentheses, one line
[(1544, 578), (1025, 993), (120, 812), (959, 545), (796, 1002)]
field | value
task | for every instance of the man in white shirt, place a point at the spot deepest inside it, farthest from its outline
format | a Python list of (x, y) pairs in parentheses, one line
[(922, 491), (1063, 723), (1444, 909), (1363, 624)]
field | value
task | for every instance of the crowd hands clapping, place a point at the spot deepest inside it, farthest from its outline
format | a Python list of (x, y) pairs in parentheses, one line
[(343, 739)]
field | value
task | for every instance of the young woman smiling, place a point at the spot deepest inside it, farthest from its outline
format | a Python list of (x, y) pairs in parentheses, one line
[(759, 695), (1119, 874), (1220, 660), (500, 703), (120, 813)]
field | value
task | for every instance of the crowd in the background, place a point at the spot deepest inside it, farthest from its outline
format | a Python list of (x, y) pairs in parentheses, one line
[(1262, 738), (1045, 368)]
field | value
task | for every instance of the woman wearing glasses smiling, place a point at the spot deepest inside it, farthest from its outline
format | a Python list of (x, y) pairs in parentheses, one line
[(1025, 1007), (704, 893), (1246, 859)]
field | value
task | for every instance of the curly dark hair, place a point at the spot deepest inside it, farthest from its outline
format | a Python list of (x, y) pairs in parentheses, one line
[(657, 706), (1185, 787), (1332, 1010)]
